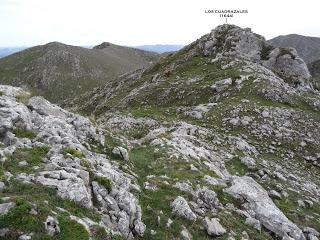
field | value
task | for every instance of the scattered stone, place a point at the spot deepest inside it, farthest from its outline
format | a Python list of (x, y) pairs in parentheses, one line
[(309, 230), (23, 163), (248, 161), (5, 207), (2, 186), (185, 235), (253, 223), (52, 226), (274, 194), (24, 237), (181, 207), (169, 222), (213, 227), (4, 231), (193, 168), (121, 152), (139, 228)]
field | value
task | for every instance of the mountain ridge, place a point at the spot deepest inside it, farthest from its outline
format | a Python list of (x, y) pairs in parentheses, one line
[(307, 47), (57, 70)]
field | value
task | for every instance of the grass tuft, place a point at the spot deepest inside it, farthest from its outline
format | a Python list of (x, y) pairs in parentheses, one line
[(74, 152), (24, 133)]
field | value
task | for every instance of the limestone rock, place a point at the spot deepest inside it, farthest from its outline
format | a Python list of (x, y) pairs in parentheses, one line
[(263, 208), (213, 227), (181, 207), (52, 226), (121, 152), (5, 208)]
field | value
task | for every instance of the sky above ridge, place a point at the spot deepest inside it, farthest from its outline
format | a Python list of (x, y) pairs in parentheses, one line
[(139, 22)]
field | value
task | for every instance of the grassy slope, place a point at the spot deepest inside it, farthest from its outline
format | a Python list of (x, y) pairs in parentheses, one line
[(60, 71), (160, 101)]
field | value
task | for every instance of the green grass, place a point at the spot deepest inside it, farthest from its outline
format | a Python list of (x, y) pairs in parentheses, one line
[(265, 51), (20, 220), (38, 194), (289, 206), (103, 181), (33, 156), (24, 133), (237, 224), (74, 152), (235, 167)]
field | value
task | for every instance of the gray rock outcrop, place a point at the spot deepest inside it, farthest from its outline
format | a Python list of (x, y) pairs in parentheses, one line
[(181, 207), (263, 209)]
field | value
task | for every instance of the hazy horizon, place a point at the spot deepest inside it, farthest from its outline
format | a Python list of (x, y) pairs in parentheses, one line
[(134, 23)]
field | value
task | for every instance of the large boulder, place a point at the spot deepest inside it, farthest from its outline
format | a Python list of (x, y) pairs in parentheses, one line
[(263, 208), (181, 208), (286, 63)]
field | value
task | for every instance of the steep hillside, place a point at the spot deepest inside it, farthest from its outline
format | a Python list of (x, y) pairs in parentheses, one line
[(217, 141), (58, 71), (307, 47), (5, 51)]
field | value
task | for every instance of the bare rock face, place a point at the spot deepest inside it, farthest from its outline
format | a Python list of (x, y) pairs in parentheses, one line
[(70, 185), (233, 41), (287, 64), (263, 208), (102, 45)]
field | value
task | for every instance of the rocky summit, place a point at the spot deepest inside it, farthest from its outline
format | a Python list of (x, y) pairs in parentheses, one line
[(219, 140)]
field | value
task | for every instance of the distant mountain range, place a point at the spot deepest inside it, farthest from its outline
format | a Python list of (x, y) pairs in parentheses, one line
[(58, 71), (5, 51), (158, 48), (307, 47)]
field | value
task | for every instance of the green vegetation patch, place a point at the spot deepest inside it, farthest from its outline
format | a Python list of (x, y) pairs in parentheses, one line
[(236, 223), (265, 51), (289, 206), (38, 194), (103, 181), (33, 157), (20, 220), (236, 167), (24, 133), (73, 152)]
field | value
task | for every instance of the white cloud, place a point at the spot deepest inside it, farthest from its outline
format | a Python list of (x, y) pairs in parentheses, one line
[(80, 22)]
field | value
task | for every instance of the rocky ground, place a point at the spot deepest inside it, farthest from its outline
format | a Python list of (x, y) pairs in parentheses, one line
[(220, 140)]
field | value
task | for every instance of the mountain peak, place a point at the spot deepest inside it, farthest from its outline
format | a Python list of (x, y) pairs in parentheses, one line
[(236, 42), (102, 45)]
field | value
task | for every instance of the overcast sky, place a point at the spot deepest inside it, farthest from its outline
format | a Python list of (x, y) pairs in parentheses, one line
[(138, 22)]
